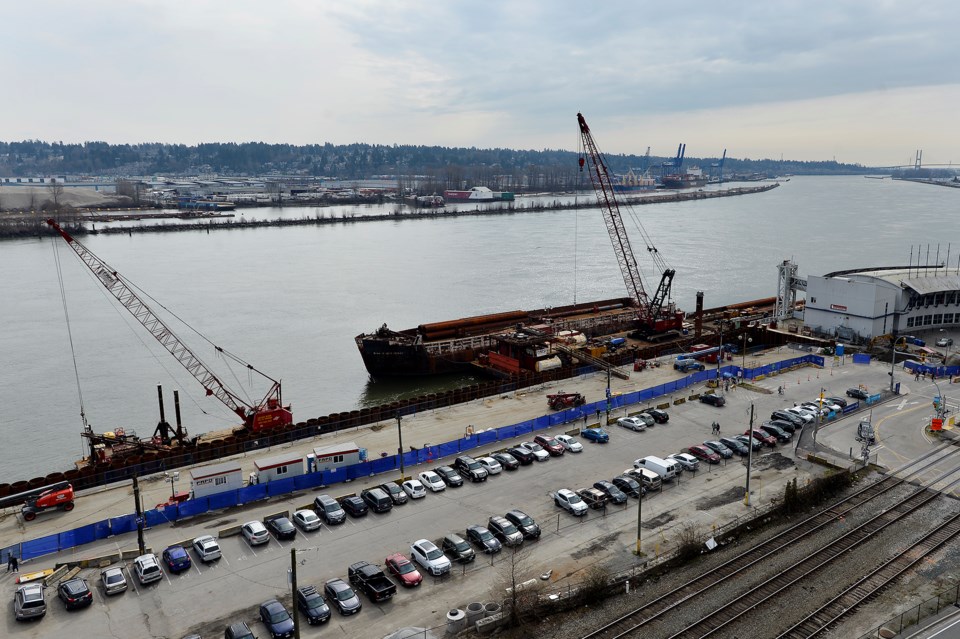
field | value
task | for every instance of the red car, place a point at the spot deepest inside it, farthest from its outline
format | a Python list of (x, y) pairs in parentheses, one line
[(404, 570), (761, 436), (704, 453), (550, 445)]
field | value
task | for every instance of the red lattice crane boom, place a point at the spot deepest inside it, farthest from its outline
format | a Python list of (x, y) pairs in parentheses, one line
[(266, 414), (657, 315)]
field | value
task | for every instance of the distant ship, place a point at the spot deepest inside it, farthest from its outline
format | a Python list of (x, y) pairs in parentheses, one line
[(478, 194), (694, 177), (631, 182)]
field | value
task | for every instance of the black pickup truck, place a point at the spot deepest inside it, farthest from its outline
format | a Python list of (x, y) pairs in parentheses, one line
[(370, 579)]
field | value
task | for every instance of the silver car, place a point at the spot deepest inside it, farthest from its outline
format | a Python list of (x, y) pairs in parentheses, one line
[(632, 423), (207, 548), (29, 603), (255, 533), (113, 581), (307, 520)]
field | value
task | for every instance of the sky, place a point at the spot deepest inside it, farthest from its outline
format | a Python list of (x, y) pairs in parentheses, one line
[(862, 82)]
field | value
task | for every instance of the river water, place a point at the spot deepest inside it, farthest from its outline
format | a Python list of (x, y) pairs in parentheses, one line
[(290, 300)]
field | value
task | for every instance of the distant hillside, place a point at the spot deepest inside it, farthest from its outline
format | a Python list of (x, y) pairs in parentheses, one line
[(446, 167)]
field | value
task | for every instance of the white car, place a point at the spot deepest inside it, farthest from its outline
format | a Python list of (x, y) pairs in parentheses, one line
[(307, 520), (414, 489), (432, 481), (426, 553), (805, 415), (632, 423), (686, 460), (536, 450), (570, 502), (569, 443), (491, 465), (147, 569), (827, 405), (255, 533), (206, 548)]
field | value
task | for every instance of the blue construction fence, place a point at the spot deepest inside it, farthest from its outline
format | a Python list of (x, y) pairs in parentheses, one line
[(925, 369), (430, 453)]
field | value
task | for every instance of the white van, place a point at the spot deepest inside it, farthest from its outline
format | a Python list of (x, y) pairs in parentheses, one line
[(647, 478), (667, 469)]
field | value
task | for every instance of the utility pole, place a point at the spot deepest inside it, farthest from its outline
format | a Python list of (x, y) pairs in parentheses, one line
[(293, 589), (746, 498), (139, 510), (639, 519), (400, 449)]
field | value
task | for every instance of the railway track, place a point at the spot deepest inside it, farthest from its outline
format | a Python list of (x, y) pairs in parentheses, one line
[(746, 602), (847, 602), (627, 625)]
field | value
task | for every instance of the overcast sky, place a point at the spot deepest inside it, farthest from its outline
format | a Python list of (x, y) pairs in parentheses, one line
[(867, 82)]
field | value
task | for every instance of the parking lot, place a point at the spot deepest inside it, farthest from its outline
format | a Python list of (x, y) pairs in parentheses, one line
[(207, 597)]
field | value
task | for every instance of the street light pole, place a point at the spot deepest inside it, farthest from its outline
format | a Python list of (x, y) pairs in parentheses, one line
[(639, 519), (719, 354), (400, 439), (749, 458)]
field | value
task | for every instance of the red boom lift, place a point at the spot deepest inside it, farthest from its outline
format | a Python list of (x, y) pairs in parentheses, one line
[(657, 318), (266, 414)]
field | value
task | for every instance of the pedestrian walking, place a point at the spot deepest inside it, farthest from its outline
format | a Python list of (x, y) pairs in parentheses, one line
[(9, 562), (13, 563)]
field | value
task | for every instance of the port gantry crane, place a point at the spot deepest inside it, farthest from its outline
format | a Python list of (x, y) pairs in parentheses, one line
[(656, 317), (267, 414)]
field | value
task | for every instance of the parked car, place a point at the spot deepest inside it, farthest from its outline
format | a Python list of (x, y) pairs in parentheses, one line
[(307, 520), (329, 510), (432, 481), (762, 436), (522, 455), (426, 553), (712, 399), (686, 461), (113, 581), (277, 619), (281, 527), (632, 423), (550, 444), (736, 446), (857, 393), (524, 523), (414, 489), (457, 548), (29, 603), (176, 559), (796, 420), (704, 454), (659, 416), (536, 450), (377, 500), (815, 409), (483, 539), (470, 467), (506, 532), (370, 580), (839, 401), (628, 485), (396, 493), (747, 440), (491, 465), (805, 415), (355, 506), (403, 569), (147, 568), (207, 548), (719, 448), (614, 494), (507, 460), (647, 419), (783, 424), (570, 502), (311, 605), (75, 593), (782, 436), (571, 444), (593, 498), (597, 435), (238, 630), (340, 594), (945, 341), (449, 476), (827, 403)]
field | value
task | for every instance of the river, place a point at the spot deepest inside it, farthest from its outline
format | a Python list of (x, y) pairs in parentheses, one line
[(290, 300)]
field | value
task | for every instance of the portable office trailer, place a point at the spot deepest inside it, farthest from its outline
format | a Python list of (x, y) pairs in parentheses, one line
[(337, 456), (216, 478), (279, 467)]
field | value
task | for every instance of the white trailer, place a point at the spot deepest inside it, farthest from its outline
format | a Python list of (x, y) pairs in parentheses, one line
[(337, 456), (278, 467), (217, 478)]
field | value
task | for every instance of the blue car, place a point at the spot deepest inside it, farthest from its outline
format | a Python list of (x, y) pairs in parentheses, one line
[(278, 621), (595, 435), (176, 559)]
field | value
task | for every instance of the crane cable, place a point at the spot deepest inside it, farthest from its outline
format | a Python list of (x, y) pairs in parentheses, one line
[(66, 315)]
